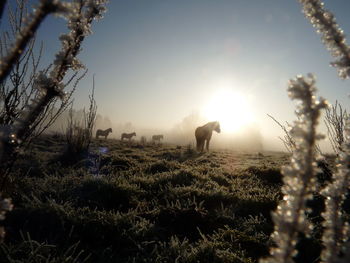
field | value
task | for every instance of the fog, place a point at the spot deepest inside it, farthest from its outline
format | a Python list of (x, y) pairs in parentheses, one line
[(181, 133)]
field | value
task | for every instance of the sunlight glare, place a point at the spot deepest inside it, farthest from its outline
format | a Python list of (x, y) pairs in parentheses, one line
[(230, 108)]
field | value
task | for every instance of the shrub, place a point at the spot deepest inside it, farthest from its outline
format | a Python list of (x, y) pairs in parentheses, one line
[(79, 133), (48, 83)]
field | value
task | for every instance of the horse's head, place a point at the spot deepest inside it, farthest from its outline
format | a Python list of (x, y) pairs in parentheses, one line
[(217, 127)]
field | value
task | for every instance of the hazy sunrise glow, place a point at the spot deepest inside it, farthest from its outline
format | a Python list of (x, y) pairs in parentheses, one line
[(230, 108), (161, 127), (156, 63)]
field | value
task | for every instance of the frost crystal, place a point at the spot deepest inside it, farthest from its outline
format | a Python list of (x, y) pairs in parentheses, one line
[(336, 230), (332, 35), (80, 15), (299, 176)]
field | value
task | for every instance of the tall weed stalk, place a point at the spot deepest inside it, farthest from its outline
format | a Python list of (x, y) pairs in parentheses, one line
[(49, 83), (290, 218), (299, 176), (79, 132)]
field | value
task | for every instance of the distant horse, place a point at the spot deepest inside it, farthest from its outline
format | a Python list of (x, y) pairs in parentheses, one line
[(157, 137), (103, 133), (128, 135), (203, 134)]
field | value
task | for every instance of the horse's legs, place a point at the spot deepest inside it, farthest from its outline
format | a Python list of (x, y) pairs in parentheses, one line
[(202, 145), (198, 144), (207, 145)]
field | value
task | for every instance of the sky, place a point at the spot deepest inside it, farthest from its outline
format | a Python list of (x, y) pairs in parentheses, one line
[(157, 61)]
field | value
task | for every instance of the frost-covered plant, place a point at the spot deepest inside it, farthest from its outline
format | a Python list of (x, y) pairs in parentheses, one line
[(337, 231), (17, 89), (335, 120), (299, 177), (287, 139), (332, 35), (80, 15), (79, 132), (28, 30)]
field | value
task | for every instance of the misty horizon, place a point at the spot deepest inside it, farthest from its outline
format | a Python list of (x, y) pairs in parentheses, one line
[(247, 138)]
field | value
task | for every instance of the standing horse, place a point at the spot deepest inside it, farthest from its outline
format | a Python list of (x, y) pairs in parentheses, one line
[(203, 134), (128, 135), (103, 133), (157, 137)]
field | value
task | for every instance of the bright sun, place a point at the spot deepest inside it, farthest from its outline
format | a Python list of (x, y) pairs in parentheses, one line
[(231, 109)]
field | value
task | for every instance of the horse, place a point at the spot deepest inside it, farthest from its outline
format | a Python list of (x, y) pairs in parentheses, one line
[(103, 133), (128, 135), (204, 133), (157, 137)]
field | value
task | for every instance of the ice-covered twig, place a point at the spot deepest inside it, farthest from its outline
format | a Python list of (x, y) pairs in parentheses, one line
[(50, 85), (46, 7), (80, 15), (333, 36), (336, 231), (299, 176)]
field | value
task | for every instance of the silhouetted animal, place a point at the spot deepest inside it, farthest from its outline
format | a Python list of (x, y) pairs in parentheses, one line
[(128, 135), (103, 133), (157, 137), (204, 133)]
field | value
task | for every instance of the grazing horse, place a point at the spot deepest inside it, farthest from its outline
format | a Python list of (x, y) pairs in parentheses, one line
[(204, 133), (128, 135), (157, 137), (103, 133)]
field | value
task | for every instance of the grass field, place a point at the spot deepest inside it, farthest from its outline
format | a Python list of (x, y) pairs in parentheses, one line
[(132, 202)]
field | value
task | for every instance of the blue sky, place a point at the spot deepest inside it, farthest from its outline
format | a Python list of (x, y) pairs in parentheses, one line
[(156, 61)]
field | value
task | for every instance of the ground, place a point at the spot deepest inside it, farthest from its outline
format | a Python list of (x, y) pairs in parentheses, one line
[(133, 202)]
